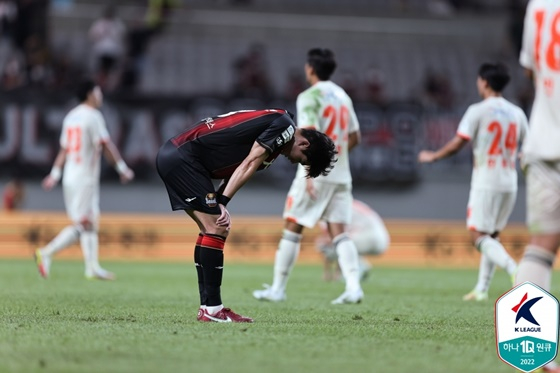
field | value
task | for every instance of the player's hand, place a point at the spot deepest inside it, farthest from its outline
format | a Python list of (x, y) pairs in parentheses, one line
[(310, 189), (426, 156), (224, 220), (127, 176), (48, 182)]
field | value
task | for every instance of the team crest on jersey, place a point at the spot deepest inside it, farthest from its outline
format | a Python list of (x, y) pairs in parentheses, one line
[(211, 200)]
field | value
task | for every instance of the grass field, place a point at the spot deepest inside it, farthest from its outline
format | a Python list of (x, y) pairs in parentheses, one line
[(412, 320)]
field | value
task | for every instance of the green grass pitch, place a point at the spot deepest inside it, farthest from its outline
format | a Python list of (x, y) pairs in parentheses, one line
[(412, 320)]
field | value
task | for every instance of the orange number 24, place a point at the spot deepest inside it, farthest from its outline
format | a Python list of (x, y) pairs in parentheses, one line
[(510, 141)]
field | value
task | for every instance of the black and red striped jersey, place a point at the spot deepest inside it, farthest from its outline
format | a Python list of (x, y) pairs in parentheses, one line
[(222, 142)]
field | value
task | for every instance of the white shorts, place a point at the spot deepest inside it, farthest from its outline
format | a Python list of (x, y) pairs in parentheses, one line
[(333, 203), (488, 211), (82, 202), (371, 242), (543, 197)]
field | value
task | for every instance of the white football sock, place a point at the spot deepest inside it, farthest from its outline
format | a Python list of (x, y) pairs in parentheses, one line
[(486, 270), (536, 266), (494, 250), (89, 243), (286, 255), (65, 238), (213, 309), (348, 260)]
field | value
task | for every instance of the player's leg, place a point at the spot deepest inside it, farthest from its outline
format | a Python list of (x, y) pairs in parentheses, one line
[(486, 270), (66, 237), (86, 214), (300, 211), (338, 215), (211, 261), (349, 263), (284, 261), (488, 212), (543, 220)]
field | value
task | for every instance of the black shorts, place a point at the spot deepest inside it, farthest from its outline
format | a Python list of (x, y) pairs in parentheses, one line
[(188, 184)]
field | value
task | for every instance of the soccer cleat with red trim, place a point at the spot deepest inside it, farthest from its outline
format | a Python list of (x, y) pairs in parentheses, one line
[(223, 315), (43, 263), (200, 314)]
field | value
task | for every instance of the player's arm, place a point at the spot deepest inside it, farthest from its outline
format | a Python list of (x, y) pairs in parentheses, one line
[(56, 171), (449, 149), (222, 186), (354, 139), (112, 154), (244, 171)]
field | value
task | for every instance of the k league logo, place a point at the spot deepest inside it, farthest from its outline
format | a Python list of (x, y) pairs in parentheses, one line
[(527, 322)]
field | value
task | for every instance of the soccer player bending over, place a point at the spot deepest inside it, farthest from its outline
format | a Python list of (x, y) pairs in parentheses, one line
[(84, 136), (496, 127), (231, 147)]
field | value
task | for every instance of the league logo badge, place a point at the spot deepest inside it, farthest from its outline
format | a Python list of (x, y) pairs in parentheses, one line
[(527, 322)]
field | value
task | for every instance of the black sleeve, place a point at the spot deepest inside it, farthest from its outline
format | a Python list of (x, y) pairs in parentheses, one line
[(280, 131)]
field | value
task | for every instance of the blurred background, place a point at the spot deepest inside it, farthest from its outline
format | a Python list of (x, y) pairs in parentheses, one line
[(409, 65)]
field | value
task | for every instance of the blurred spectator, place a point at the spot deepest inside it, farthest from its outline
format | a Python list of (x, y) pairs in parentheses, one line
[(137, 41), (13, 195), (32, 16), (295, 84), (437, 91), (8, 19), (250, 74), (38, 66), (158, 13), (375, 86), (108, 37), (13, 74)]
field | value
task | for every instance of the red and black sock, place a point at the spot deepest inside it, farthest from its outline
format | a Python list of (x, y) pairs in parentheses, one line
[(199, 272), (212, 261)]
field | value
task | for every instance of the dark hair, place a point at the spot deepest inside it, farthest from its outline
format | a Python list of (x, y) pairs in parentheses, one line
[(84, 89), (496, 75), (322, 61), (320, 153)]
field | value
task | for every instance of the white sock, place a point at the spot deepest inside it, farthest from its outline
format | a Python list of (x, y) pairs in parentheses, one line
[(496, 253), (286, 255), (536, 266), (65, 238), (89, 243), (348, 260), (486, 270), (213, 309)]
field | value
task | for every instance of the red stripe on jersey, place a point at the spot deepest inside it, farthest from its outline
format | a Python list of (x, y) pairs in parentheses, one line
[(463, 136), (219, 123), (212, 242)]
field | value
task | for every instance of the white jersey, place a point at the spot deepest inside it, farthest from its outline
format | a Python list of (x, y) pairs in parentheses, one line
[(326, 107), (83, 131), (496, 127), (541, 54)]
